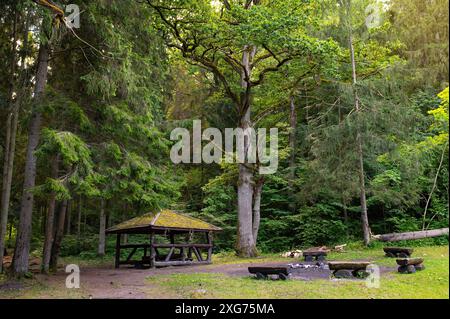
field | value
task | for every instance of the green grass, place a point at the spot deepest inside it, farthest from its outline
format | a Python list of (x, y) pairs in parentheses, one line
[(33, 289), (433, 282), (430, 283)]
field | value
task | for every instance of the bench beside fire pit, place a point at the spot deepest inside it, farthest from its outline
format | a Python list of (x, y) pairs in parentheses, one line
[(400, 252), (263, 272), (284, 272), (349, 269), (319, 255), (410, 265)]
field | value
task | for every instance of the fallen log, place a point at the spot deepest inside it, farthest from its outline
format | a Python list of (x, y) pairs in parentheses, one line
[(412, 235)]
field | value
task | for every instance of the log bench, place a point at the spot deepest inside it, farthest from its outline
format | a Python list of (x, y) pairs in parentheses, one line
[(319, 255), (400, 252), (349, 269), (410, 265), (263, 272)]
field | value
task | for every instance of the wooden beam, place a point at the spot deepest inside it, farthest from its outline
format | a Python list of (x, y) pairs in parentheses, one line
[(210, 243), (336, 265), (170, 254), (131, 254), (181, 245), (152, 250), (117, 257), (197, 253), (180, 263)]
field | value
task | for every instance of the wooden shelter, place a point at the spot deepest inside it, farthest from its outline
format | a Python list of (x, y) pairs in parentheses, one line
[(170, 225)]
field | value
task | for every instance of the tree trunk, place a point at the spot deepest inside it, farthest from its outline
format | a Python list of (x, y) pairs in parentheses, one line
[(69, 211), (434, 186), (79, 217), (359, 145), (21, 252), (257, 207), (59, 234), (5, 202), (246, 245), (11, 129), (412, 235), (49, 229), (101, 233), (292, 144), (84, 221)]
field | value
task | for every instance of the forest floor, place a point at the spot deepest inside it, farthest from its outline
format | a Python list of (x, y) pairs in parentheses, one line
[(228, 277)]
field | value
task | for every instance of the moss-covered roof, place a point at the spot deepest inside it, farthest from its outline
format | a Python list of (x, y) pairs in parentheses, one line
[(163, 219)]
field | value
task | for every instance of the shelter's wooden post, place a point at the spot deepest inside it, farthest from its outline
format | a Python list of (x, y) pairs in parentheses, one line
[(152, 250), (117, 260), (189, 240), (210, 243), (172, 238)]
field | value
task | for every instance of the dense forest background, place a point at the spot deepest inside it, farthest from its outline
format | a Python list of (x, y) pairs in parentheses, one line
[(101, 116)]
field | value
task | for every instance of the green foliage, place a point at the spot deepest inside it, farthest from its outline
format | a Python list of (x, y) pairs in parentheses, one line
[(321, 224), (113, 97)]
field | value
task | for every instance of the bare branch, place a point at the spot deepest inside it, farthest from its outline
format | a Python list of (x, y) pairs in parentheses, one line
[(263, 73)]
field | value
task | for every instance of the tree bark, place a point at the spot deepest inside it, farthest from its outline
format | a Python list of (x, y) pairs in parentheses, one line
[(59, 234), (79, 217), (412, 235), (69, 211), (21, 252), (101, 234), (434, 185), (292, 144), (359, 145), (5, 203), (11, 129), (49, 229), (246, 245), (257, 207)]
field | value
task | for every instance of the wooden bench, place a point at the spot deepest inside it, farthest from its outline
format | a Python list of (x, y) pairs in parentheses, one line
[(349, 269), (400, 252), (410, 265), (263, 272), (319, 255)]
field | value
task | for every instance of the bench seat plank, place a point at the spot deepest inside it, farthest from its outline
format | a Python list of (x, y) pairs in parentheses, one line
[(350, 265), (409, 261)]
